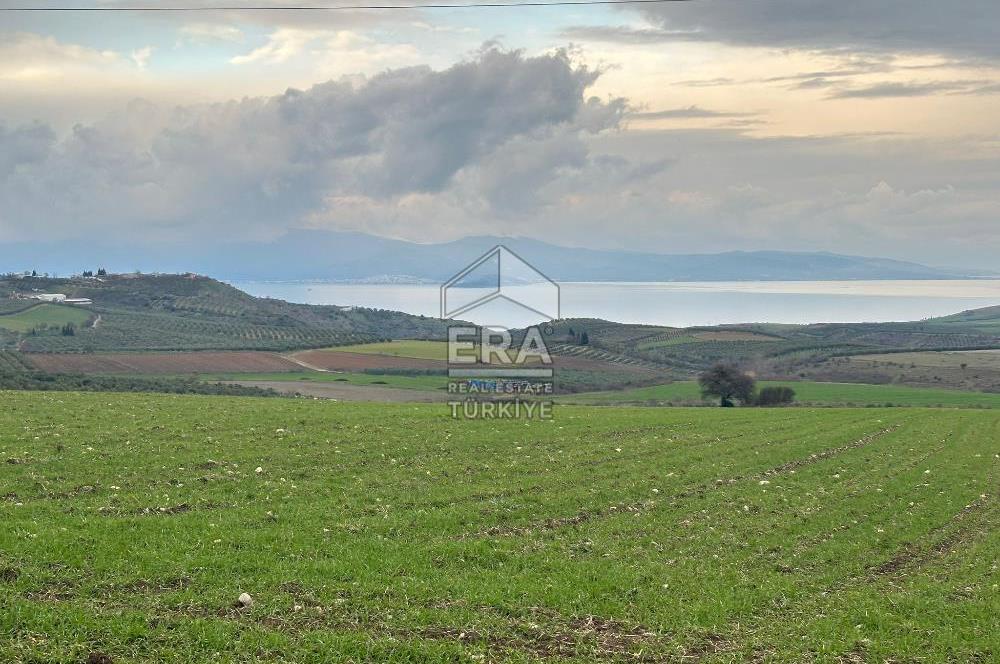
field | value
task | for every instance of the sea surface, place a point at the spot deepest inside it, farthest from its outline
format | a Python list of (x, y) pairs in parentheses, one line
[(686, 303)]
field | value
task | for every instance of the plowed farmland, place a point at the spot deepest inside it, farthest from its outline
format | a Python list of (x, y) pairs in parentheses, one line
[(161, 363), (385, 356), (393, 533), (333, 360)]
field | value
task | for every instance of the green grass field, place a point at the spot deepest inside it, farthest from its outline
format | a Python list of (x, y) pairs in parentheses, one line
[(130, 524), (53, 315), (388, 380), (827, 394), (424, 350)]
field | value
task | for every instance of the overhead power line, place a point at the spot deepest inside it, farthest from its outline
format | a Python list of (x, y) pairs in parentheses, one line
[(310, 8)]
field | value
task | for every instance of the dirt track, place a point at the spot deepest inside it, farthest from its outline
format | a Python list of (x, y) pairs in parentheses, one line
[(346, 391)]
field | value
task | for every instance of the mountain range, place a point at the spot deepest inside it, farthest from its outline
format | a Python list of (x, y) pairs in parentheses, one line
[(357, 257)]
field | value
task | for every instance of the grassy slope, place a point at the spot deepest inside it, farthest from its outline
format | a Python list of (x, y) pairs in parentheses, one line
[(805, 392), (426, 350), (393, 533), (388, 380), (53, 315)]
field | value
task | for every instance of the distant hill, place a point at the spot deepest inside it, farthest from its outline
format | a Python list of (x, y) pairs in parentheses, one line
[(190, 312), (343, 256), (171, 312)]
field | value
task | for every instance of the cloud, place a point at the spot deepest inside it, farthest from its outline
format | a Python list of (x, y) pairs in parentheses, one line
[(896, 89), (282, 45), (685, 113), (141, 56), (967, 29), (622, 34), (262, 165), (990, 89), (24, 147), (211, 32), (330, 52), (28, 57)]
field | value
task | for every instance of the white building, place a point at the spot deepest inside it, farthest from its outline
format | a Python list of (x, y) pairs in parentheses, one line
[(50, 297)]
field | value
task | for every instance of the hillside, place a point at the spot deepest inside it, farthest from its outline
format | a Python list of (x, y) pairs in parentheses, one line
[(193, 313), (184, 312), (782, 351)]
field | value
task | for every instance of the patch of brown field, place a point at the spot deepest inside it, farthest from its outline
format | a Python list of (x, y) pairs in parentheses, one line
[(162, 363), (336, 360)]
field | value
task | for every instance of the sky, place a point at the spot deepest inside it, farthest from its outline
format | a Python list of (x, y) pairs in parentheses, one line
[(857, 127)]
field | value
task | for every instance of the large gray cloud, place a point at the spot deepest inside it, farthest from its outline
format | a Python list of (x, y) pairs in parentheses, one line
[(262, 165), (967, 28), (24, 146)]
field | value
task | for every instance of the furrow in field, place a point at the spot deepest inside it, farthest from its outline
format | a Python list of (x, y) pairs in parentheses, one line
[(613, 464), (941, 540), (948, 534), (699, 489)]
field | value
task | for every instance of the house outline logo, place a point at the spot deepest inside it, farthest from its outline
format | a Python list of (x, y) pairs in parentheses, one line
[(550, 310)]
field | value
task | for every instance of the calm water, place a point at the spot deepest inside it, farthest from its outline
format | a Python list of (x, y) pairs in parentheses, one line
[(685, 304)]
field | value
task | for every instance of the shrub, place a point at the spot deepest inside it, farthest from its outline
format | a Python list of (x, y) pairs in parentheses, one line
[(775, 396)]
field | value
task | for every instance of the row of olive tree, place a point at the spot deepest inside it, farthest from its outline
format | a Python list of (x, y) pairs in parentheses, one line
[(728, 384)]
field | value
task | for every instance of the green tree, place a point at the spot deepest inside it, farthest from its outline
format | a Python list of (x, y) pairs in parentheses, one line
[(727, 383)]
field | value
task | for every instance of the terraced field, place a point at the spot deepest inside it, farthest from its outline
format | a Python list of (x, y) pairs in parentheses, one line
[(130, 524)]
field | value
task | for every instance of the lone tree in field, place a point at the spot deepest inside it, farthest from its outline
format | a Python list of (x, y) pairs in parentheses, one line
[(727, 383)]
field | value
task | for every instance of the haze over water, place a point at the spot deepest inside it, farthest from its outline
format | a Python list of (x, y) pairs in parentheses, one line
[(684, 304)]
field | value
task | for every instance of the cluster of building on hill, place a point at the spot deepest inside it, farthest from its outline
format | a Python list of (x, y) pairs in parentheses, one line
[(59, 298)]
